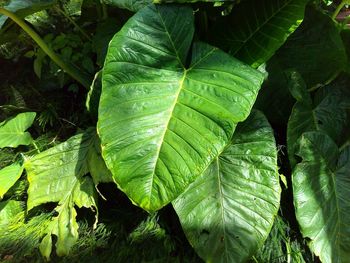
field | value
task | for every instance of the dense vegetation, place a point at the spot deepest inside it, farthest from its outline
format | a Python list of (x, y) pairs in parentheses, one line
[(174, 131)]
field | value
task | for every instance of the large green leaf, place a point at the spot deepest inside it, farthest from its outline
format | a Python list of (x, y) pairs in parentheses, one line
[(327, 112), (321, 188), (9, 176), (255, 29), (136, 5), (132, 5), (227, 213), (315, 49), (57, 175), (13, 131), (23, 8), (162, 123)]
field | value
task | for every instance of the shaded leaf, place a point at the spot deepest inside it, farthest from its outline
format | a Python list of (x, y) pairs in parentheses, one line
[(321, 190), (228, 212), (274, 97), (9, 176), (315, 50), (13, 131), (105, 30), (327, 112), (24, 8), (161, 123), (255, 29)]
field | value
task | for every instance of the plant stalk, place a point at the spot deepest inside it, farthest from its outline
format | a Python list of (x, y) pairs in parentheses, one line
[(339, 7), (69, 69), (74, 24)]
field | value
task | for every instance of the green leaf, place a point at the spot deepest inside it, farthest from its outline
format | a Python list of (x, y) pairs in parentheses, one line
[(162, 123), (255, 29), (132, 5), (24, 8), (315, 50), (13, 131), (57, 175), (9, 176), (10, 209), (328, 112), (136, 5), (190, 1), (228, 212), (321, 190)]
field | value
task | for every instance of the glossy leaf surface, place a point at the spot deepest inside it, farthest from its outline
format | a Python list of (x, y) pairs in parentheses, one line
[(13, 131), (227, 213), (9, 176), (161, 123), (321, 189), (56, 175), (255, 29), (25, 7)]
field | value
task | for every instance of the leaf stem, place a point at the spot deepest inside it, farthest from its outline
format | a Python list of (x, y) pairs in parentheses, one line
[(74, 23), (339, 7), (345, 144), (76, 74), (104, 11)]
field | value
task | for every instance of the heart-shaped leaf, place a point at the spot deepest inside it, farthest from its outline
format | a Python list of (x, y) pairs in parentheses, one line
[(161, 123), (13, 131)]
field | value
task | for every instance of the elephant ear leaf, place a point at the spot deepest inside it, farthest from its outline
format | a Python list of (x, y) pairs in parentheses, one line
[(255, 29), (162, 123), (24, 8), (321, 190), (57, 175), (231, 207), (13, 131)]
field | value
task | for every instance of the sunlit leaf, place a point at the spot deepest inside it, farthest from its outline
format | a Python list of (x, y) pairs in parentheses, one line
[(9, 176), (161, 121), (228, 212), (57, 175), (13, 131)]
